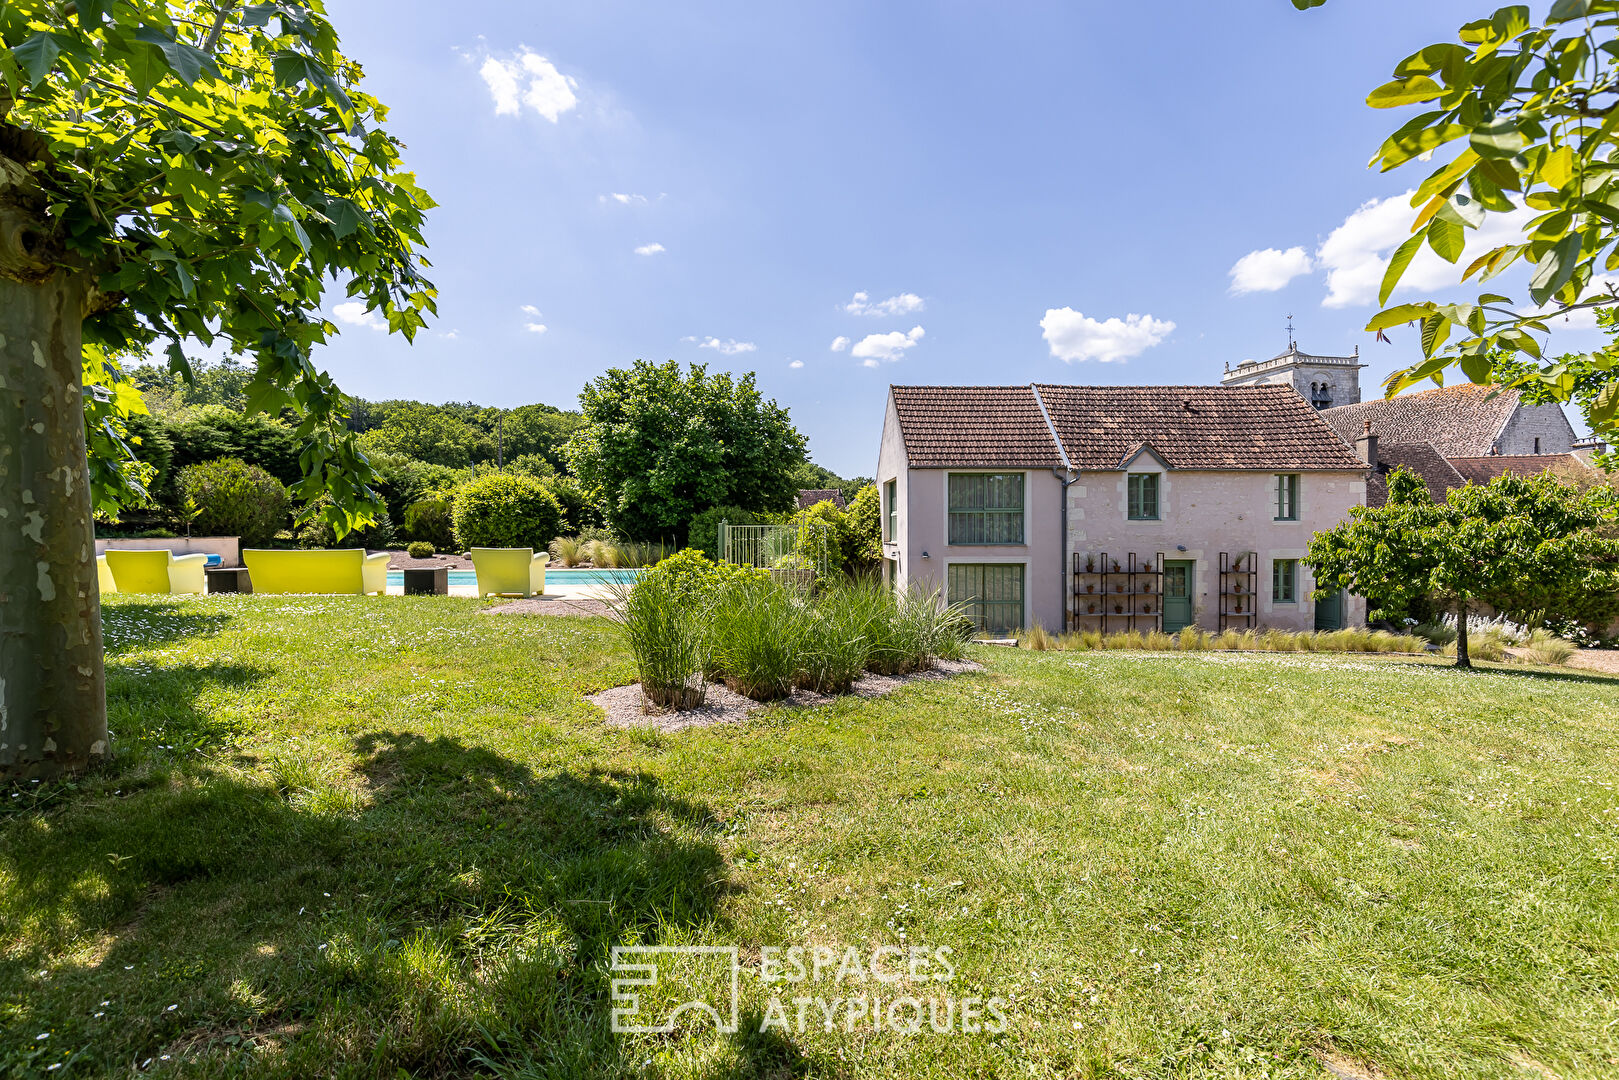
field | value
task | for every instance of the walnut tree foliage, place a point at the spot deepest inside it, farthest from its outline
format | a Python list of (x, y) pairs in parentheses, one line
[(211, 169), (1523, 115)]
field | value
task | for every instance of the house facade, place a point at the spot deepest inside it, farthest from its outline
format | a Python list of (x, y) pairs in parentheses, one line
[(1112, 508)]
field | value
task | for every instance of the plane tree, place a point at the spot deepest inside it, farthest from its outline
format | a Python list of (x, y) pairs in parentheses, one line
[(171, 171)]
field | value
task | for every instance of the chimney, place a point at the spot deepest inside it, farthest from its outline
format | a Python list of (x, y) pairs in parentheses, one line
[(1366, 446)]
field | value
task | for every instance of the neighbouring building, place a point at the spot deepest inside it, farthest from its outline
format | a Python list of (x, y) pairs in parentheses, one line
[(1323, 381), (1115, 507), (1460, 421), (808, 497)]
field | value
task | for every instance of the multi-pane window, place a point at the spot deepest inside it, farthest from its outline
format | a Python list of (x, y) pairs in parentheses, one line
[(1143, 491), (1287, 497), (1284, 581), (989, 594), (986, 508), (891, 495)]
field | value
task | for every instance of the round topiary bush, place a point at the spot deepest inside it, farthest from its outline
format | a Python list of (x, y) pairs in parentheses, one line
[(501, 510), (421, 549), (234, 498)]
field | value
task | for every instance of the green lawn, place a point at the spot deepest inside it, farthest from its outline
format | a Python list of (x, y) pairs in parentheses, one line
[(354, 836)]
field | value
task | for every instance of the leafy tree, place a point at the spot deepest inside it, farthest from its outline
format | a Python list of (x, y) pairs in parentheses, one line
[(540, 429), (662, 444), (1515, 543), (703, 532), (866, 526), (1535, 104), (214, 431), (581, 509), (171, 170), (167, 391), (425, 433), (233, 498)]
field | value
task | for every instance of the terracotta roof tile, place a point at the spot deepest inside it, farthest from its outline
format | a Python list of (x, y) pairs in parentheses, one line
[(1481, 470), (1195, 427), (1460, 421), (1420, 458), (973, 427), (808, 497)]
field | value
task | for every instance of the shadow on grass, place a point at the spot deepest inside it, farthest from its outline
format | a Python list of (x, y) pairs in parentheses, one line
[(1494, 667), (128, 624), (159, 706), (445, 909)]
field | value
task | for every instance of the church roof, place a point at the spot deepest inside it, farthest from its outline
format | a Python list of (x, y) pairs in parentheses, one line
[(1460, 421)]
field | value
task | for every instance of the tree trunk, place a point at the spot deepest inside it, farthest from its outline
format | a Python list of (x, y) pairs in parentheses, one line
[(53, 701), (1462, 659)]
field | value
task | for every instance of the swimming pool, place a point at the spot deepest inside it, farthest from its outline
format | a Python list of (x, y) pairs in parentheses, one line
[(468, 579)]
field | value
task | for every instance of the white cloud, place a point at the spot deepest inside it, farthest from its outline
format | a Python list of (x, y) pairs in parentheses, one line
[(353, 312), (1074, 336), (840, 343), (1355, 255), (450, 335), (529, 309), (903, 304), (649, 249), (796, 364), (534, 327), (875, 348), (728, 347), (528, 80), (623, 199), (1268, 270)]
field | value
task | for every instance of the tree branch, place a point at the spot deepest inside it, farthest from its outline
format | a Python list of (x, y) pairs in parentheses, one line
[(212, 41)]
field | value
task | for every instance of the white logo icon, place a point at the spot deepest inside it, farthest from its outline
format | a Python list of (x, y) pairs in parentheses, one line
[(641, 965)]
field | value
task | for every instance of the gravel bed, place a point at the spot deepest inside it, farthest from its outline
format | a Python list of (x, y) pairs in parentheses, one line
[(543, 605), (622, 704)]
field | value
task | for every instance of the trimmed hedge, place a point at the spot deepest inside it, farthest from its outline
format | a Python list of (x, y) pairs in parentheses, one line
[(501, 510)]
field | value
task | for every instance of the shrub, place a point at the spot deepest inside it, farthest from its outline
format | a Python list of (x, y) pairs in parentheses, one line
[(234, 498), (695, 577), (755, 633), (567, 551), (500, 510), (667, 633), (865, 537), (827, 544), (581, 509), (1545, 647), (428, 520), (421, 549)]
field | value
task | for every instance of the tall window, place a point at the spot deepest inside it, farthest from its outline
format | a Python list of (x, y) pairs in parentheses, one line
[(1143, 490), (986, 508), (990, 595), (1284, 581), (891, 495), (1287, 497)]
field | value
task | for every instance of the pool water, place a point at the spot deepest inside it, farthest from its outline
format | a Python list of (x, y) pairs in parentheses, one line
[(468, 579)]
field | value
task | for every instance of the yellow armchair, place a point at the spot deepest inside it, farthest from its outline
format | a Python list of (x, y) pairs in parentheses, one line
[(159, 571), (509, 571), (348, 570)]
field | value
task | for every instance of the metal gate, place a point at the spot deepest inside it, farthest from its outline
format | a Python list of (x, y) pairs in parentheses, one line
[(804, 546)]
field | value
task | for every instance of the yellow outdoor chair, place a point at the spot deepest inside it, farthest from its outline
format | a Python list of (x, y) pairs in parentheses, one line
[(104, 576), (509, 571), (160, 571), (346, 570)]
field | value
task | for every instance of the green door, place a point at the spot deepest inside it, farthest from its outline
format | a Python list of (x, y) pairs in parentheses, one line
[(1178, 583), (1329, 613)]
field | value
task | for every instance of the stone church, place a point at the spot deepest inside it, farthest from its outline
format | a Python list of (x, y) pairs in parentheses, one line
[(1449, 435)]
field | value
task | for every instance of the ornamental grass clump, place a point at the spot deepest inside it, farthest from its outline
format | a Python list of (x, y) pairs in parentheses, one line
[(567, 550), (838, 635), (755, 637), (666, 630), (1545, 647)]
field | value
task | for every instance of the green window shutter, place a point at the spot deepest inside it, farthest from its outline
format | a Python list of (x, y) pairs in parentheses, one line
[(1284, 581), (1287, 497), (892, 494), (1143, 496)]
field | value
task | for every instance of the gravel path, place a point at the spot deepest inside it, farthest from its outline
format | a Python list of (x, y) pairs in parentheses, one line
[(1603, 660), (552, 605), (622, 704)]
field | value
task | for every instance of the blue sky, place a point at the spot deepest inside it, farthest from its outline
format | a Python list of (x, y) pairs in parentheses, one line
[(1030, 191)]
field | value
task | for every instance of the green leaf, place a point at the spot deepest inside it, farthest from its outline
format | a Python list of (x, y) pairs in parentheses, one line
[(1476, 368), (1446, 56), (1403, 313), (1397, 264), (38, 55), (1435, 329), (1305, 5), (1463, 210), (284, 213), (344, 216), (1408, 91), (1446, 238), (186, 61), (1555, 268), (1564, 10), (93, 12), (1500, 139)]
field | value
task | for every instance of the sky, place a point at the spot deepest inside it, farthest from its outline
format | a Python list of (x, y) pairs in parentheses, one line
[(840, 196)]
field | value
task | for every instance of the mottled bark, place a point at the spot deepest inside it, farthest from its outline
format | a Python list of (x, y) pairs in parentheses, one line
[(53, 707)]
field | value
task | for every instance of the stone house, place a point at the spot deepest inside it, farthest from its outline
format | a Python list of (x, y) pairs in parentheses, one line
[(1114, 507)]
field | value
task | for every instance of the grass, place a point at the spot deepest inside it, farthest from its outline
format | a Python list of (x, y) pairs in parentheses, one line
[(1195, 639), (374, 836)]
